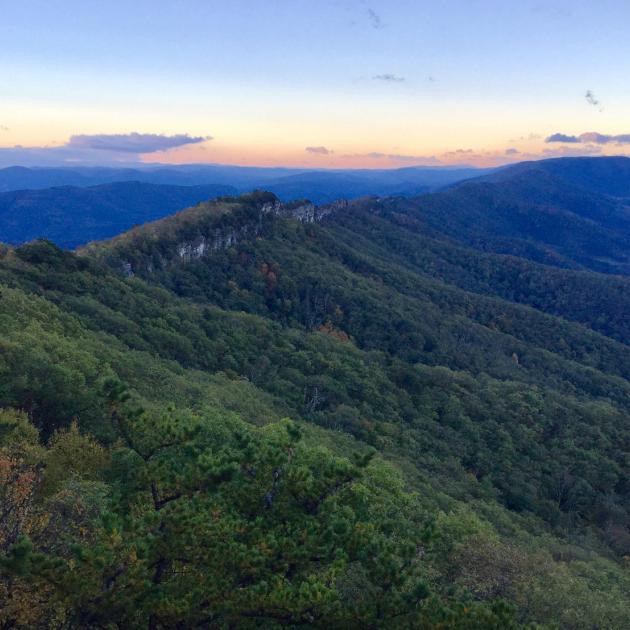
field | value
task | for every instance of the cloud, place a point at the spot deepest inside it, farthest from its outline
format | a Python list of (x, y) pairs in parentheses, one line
[(561, 137), (462, 154), (133, 142), (596, 138), (590, 137), (600, 138), (592, 100), (391, 78), (374, 18), (552, 11), (4, 128), (97, 149), (319, 150), (527, 138), (512, 151), (572, 151), (459, 152), (459, 157), (424, 160)]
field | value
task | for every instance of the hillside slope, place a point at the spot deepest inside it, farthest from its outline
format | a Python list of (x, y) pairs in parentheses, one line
[(494, 390), (71, 216), (323, 276), (568, 212), (604, 175)]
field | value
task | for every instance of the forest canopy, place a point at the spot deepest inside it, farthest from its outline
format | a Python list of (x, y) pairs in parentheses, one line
[(349, 423)]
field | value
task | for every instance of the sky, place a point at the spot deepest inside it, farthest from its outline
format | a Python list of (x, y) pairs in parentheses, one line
[(325, 84)]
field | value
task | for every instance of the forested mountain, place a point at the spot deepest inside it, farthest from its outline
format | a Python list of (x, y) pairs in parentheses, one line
[(544, 211), (71, 215), (572, 213), (72, 207), (20, 177), (288, 183), (362, 414), (329, 185), (605, 175)]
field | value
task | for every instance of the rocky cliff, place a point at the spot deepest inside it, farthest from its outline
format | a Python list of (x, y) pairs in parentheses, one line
[(222, 234)]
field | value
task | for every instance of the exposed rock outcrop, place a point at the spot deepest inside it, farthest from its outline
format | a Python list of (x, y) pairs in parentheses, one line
[(222, 238)]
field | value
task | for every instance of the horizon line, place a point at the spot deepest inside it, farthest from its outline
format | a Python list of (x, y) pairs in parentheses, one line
[(298, 169)]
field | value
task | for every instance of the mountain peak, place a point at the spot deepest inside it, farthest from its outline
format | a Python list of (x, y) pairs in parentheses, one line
[(197, 231)]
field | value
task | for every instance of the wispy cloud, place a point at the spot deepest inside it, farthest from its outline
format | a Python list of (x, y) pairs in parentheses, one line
[(463, 156), (97, 149), (600, 138), (592, 100), (579, 150), (387, 77), (425, 160), (528, 138), (551, 10), (319, 150), (4, 128), (590, 137), (373, 17), (133, 142), (459, 152)]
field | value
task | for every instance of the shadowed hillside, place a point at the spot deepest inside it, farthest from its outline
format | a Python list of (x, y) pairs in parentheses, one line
[(553, 211), (71, 216)]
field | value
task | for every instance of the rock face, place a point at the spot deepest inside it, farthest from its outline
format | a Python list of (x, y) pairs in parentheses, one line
[(222, 238), (307, 213)]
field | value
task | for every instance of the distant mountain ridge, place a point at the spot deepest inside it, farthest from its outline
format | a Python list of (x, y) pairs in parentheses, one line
[(544, 211), (74, 206), (242, 177), (569, 212), (319, 185), (71, 215), (608, 175)]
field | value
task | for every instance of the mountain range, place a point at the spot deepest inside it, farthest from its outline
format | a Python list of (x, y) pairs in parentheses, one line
[(282, 181), (382, 411), (71, 215), (74, 206)]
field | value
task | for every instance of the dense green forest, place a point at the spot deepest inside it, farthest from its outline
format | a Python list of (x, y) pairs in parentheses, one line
[(568, 212), (235, 418), (71, 215)]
